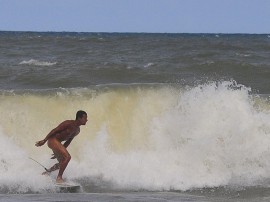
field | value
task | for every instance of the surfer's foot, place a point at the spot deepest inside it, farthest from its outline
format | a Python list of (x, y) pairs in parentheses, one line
[(46, 173), (59, 180)]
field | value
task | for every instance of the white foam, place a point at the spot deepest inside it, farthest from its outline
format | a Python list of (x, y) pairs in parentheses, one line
[(148, 65), (139, 138), (17, 173), (37, 63), (212, 137)]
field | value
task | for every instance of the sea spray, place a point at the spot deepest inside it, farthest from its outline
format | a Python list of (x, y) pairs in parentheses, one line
[(145, 137), (17, 173), (211, 136)]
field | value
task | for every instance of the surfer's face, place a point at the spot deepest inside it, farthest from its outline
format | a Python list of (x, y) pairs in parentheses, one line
[(83, 120)]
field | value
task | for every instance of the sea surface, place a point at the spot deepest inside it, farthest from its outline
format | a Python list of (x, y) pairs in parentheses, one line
[(172, 117)]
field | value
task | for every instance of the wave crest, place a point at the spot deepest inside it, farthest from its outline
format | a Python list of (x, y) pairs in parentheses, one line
[(37, 63)]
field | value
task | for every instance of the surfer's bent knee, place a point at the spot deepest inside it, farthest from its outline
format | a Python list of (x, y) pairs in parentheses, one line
[(66, 157)]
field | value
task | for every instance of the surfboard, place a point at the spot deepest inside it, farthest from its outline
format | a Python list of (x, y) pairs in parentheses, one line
[(68, 187), (61, 187)]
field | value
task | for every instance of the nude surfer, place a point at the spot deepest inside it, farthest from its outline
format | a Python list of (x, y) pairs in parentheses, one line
[(66, 131)]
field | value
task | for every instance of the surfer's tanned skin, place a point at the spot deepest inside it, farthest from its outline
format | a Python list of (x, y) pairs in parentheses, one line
[(66, 131)]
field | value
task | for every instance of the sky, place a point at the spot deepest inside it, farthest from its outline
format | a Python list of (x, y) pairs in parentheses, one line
[(150, 16)]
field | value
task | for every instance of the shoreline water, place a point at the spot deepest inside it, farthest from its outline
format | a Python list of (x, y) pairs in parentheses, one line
[(262, 195)]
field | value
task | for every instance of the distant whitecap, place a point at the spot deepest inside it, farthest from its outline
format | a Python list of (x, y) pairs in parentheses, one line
[(37, 63), (148, 65)]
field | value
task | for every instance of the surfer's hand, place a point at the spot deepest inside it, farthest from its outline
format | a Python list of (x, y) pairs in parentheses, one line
[(40, 143)]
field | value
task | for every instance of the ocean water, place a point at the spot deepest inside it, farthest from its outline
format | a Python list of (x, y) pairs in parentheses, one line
[(172, 117)]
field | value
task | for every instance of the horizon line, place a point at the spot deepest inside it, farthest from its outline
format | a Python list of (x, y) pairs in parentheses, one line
[(129, 32)]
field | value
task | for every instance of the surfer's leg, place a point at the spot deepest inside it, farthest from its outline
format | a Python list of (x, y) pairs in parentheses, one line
[(63, 157), (53, 168)]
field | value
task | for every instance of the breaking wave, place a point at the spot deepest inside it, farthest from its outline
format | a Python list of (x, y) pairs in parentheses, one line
[(151, 138)]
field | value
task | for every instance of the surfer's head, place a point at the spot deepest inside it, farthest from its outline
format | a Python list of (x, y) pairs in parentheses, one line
[(82, 116)]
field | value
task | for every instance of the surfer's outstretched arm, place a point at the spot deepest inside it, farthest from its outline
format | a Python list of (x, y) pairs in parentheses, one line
[(63, 126)]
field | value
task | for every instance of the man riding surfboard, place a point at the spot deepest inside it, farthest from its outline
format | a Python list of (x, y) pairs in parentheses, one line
[(65, 131)]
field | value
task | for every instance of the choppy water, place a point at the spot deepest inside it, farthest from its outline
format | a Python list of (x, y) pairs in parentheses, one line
[(52, 60), (167, 112)]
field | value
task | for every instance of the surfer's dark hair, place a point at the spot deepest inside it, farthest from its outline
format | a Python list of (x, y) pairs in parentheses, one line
[(80, 114)]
